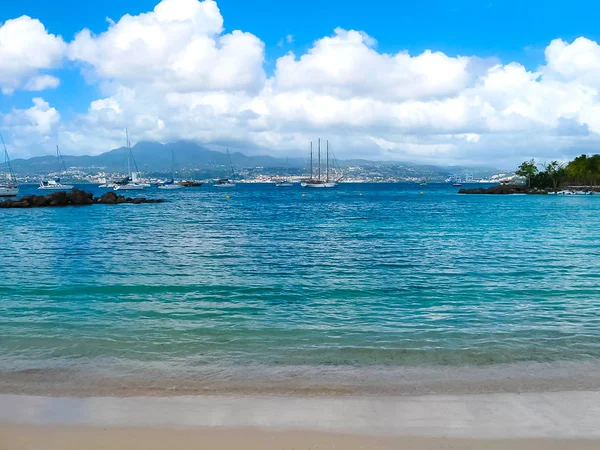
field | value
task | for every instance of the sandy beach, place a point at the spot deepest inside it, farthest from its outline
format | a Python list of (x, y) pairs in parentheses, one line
[(558, 420), (28, 437)]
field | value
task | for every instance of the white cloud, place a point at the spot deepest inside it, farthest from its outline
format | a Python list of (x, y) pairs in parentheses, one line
[(347, 65), (176, 47), (174, 73), (25, 49), (41, 82), (32, 130)]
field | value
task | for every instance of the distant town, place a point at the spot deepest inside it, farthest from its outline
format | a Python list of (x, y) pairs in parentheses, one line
[(373, 173), (184, 160)]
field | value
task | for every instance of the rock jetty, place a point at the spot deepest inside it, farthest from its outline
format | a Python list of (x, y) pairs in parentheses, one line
[(76, 197), (503, 189)]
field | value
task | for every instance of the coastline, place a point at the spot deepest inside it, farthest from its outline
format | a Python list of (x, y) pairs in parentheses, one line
[(559, 420)]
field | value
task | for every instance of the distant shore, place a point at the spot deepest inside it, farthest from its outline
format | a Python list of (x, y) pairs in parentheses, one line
[(505, 189)]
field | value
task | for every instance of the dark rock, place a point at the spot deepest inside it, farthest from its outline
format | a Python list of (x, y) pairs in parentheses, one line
[(502, 189), (76, 197), (57, 198), (79, 197), (110, 198)]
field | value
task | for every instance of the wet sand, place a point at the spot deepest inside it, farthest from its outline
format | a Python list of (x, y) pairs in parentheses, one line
[(32, 437)]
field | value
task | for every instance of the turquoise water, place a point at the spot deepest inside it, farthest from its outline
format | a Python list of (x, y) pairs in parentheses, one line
[(268, 282)]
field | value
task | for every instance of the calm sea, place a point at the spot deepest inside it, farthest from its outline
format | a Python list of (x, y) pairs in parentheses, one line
[(366, 287)]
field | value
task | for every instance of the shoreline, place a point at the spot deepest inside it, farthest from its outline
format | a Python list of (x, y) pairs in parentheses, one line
[(93, 438), (304, 381), (557, 415)]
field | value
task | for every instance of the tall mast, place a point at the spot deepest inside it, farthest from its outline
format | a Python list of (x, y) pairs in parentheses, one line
[(327, 179), (9, 170), (231, 164), (172, 165), (128, 153), (319, 157), (311, 161)]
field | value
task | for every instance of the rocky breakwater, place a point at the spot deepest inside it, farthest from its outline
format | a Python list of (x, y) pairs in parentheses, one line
[(76, 197), (503, 189)]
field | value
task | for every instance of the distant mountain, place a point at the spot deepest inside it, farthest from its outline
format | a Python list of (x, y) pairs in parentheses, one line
[(154, 157)]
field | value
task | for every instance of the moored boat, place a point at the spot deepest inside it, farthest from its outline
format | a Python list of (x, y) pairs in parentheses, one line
[(317, 182), (9, 187), (56, 185), (131, 183)]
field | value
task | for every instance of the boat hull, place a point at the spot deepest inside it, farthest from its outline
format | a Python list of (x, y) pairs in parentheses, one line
[(170, 186), (129, 187), (228, 185), (284, 185), (9, 191), (319, 185), (63, 187)]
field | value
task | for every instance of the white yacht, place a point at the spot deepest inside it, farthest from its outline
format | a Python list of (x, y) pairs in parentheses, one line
[(318, 182), (9, 187), (131, 183), (56, 185), (171, 183), (227, 182), (285, 182)]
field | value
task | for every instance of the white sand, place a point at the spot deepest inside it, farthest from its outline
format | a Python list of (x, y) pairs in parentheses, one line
[(494, 416)]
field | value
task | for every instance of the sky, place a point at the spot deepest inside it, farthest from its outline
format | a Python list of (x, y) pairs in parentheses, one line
[(447, 82)]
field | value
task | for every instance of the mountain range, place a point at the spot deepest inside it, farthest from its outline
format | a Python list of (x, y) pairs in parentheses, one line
[(154, 157)]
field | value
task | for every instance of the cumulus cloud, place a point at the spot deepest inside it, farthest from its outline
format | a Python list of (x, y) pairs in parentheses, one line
[(41, 82), (176, 47), (347, 65), (176, 73), (25, 49)]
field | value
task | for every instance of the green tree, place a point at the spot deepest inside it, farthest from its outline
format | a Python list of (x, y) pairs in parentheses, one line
[(555, 171), (528, 170)]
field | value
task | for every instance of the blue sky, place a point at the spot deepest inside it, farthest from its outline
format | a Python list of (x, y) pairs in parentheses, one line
[(502, 31)]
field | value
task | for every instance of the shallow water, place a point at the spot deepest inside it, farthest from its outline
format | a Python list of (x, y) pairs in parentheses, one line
[(268, 284)]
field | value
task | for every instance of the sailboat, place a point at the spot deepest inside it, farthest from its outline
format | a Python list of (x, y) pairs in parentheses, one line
[(318, 182), (457, 181), (227, 182), (8, 187), (130, 183), (285, 182), (171, 183), (56, 185)]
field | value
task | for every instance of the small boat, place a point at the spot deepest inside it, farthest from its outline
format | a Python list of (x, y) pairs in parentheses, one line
[(131, 183), (227, 182), (128, 186), (457, 180), (171, 183), (56, 185), (8, 187), (224, 183), (318, 182), (284, 183), (191, 183), (423, 183)]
